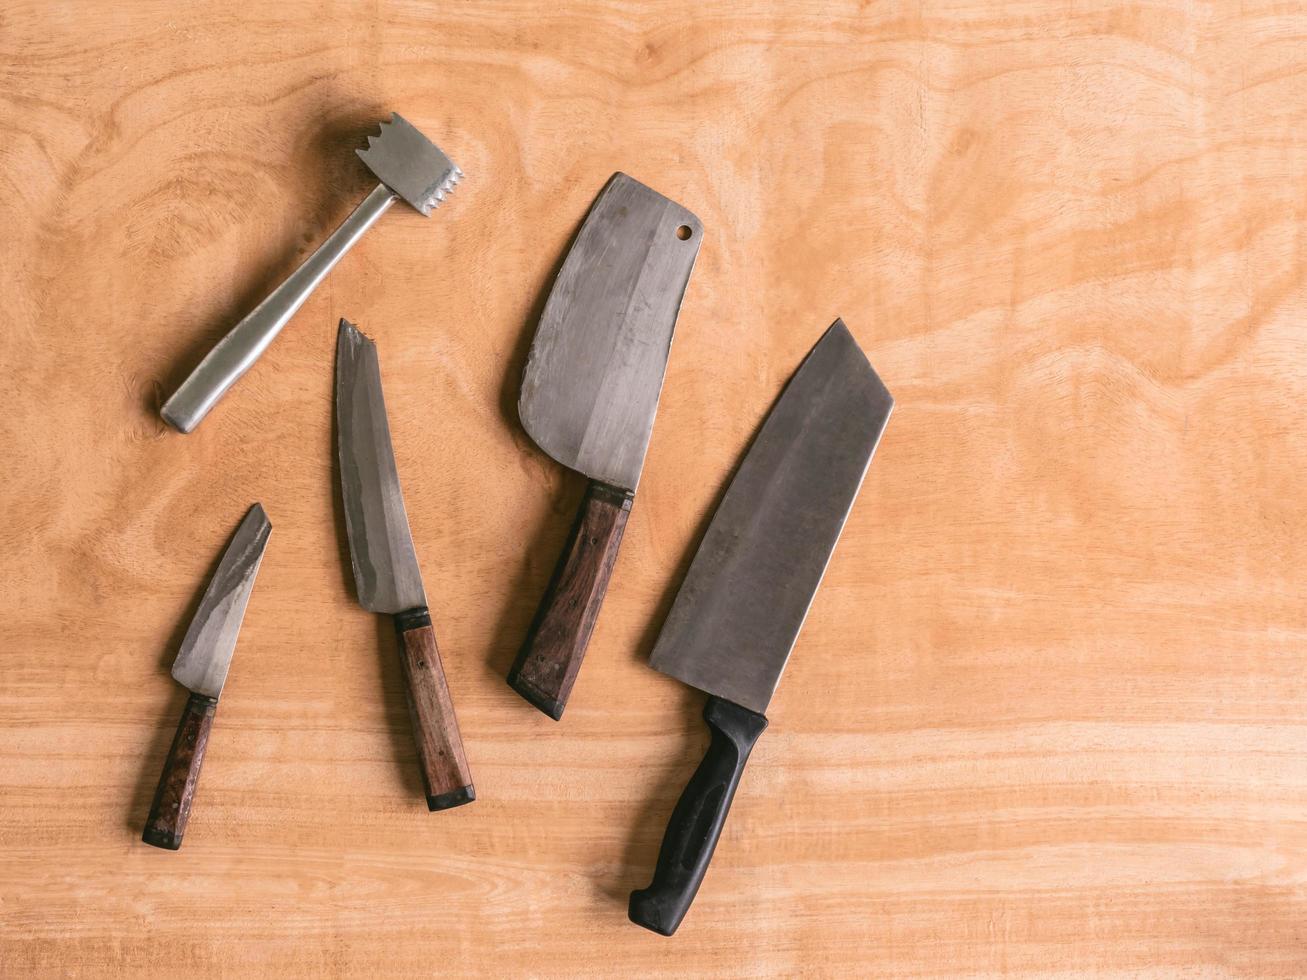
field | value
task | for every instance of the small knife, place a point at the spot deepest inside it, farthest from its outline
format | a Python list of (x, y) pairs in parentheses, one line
[(410, 167), (744, 599), (588, 399), (201, 667), (386, 572)]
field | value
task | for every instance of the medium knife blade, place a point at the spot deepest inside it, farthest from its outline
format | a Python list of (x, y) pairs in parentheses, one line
[(386, 572), (206, 651), (596, 366), (744, 599)]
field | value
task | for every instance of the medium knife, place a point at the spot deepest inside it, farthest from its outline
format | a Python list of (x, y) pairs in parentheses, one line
[(386, 572), (201, 667), (744, 599), (588, 399)]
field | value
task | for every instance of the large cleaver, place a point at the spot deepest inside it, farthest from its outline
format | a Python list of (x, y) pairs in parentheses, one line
[(588, 400), (744, 599)]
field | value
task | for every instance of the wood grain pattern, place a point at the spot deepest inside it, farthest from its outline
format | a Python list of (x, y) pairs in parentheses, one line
[(171, 810), (446, 777), (1046, 716), (551, 656)]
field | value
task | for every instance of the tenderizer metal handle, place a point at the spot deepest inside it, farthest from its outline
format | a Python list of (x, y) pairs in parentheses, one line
[(236, 353)]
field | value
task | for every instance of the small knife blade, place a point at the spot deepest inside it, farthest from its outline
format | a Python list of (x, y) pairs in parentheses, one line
[(201, 666), (206, 651), (386, 572), (744, 599), (589, 396)]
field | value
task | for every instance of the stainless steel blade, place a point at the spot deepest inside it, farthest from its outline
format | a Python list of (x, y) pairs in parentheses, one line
[(410, 164), (386, 571), (205, 655), (744, 599), (597, 362)]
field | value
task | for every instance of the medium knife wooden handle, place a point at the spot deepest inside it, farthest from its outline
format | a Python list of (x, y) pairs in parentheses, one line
[(445, 772), (548, 663), (697, 820), (171, 808)]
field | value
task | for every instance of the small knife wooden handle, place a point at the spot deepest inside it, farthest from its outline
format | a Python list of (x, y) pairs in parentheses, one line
[(697, 820), (171, 808), (445, 773), (549, 660)]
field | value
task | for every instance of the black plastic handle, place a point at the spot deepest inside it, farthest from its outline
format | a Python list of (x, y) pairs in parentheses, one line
[(697, 821)]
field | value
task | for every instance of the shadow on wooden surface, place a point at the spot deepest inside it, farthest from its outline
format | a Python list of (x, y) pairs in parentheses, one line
[(540, 555), (650, 821), (344, 560)]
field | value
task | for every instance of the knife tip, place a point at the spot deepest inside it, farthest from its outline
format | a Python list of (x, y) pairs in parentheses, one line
[(258, 513), (352, 335)]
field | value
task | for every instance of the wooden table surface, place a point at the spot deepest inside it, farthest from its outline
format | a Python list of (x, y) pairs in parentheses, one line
[(1048, 712)]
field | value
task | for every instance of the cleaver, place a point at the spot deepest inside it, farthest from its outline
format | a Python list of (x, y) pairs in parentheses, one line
[(588, 399), (744, 599)]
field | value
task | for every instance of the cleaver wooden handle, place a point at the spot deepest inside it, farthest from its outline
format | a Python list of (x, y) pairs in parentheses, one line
[(548, 663), (445, 773), (171, 808)]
